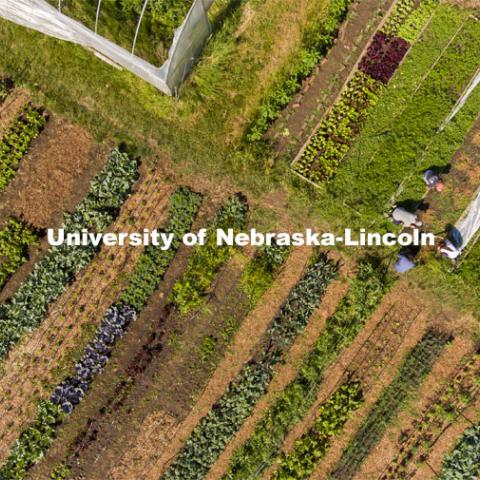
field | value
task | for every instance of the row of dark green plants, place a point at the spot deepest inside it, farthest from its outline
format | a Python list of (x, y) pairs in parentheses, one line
[(16, 141), (264, 446), (415, 367), (226, 416), (57, 269), (318, 40), (15, 238), (447, 405), (145, 279), (328, 146), (463, 462)]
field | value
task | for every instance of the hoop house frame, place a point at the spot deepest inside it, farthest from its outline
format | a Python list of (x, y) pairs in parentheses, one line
[(185, 49)]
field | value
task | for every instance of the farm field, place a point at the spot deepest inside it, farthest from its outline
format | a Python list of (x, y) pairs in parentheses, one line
[(241, 362)]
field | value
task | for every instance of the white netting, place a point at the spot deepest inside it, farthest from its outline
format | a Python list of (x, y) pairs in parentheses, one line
[(186, 46), (469, 225)]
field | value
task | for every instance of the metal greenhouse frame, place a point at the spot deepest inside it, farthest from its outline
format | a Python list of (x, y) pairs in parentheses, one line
[(186, 47)]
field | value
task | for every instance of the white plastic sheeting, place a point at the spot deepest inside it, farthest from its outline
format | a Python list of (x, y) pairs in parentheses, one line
[(186, 46), (469, 225)]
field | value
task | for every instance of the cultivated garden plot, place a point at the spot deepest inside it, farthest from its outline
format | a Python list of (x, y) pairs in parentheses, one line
[(238, 362)]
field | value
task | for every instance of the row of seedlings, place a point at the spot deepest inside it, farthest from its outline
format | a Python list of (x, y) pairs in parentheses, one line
[(416, 366), (318, 39), (264, 446), (227, 415), (15, 238), (321, 156), (16, 141), (148, 274), (448, 404), (57, 269)]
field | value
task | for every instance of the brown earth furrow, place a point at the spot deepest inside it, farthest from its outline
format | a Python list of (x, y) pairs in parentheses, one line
[(240, 351), (33, 365), (285, 373), (357, 359)]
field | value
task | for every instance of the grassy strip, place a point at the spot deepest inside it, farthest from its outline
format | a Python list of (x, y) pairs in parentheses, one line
[(15, 238), (225, 418), (464, 462), (416, 366), (148, 274), (206, 260), (260, 450), (312, 446), (405, 122), (16, 142), (57, 269), (318, 40)]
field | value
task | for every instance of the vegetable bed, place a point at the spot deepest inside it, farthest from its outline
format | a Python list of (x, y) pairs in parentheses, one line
[(210, 437), (57, 269)]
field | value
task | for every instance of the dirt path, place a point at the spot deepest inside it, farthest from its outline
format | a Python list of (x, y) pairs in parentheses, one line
[(239, 353), (322, 88), (285, 372), (34, 364), (9, 109)]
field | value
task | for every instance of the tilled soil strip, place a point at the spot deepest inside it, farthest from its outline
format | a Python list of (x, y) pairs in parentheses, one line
[(239, 353), (322, 88), (9, 109), (445, 444), (385, 450), (382, 338), (285, 372), (33, 364)]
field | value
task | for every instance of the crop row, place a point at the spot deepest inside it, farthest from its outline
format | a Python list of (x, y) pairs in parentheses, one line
[(412, 108), (415, 367), (211, 435), (51, 275), (317, 43), (464, 462), (312, 446), (149, 271), (337, 130), (15, 142), (448, 404), (206, 260), (261, 449), (15, 238), (327, 147)]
